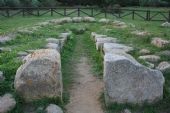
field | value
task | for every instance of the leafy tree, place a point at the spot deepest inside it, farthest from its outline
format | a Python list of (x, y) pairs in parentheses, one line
[(12, 3), (2, 3)]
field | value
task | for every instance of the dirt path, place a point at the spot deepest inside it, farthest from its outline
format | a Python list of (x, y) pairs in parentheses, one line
[(86, 90)]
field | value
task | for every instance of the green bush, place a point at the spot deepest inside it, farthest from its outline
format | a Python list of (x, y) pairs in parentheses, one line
[(149, 2), (2, 3), (12, 3)]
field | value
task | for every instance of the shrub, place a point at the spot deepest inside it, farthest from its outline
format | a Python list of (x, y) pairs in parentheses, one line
[(12, 3), (2, 3)]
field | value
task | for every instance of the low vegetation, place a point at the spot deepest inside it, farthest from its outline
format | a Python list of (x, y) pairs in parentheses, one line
[(9, 61)]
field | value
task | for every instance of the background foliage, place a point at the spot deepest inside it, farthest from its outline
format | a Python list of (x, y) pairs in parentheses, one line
[(104, 3)]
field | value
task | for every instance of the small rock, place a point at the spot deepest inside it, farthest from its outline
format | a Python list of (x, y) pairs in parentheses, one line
[(77, 19), (150, 58), (158, 42), (126, 111), (4, 39), (7, 103), (53, 40), (89, 19), (164, 67), (53, 46), (144, 52), (166, 24), (140, 33), (66, 20), (165, 53), (22, 53), (52, 108), (104, 21), (5, 49), (1, 76)]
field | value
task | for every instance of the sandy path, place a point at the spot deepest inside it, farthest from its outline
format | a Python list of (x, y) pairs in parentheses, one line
[(86, 90)]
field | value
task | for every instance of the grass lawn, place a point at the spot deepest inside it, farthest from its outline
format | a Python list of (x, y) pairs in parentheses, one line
[(9, 62)]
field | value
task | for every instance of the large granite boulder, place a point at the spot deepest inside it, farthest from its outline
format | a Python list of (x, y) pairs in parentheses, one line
[(7, 103), (40, 75), (127, 81)]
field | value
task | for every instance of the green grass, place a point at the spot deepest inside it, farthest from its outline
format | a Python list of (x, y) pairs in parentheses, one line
[(9, 62)]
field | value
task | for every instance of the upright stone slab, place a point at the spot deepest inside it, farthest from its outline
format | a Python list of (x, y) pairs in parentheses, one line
[(113, 47), (101, 41), (40, 76), (127, 81)]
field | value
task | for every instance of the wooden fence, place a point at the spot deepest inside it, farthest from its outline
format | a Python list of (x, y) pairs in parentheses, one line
[(147, 15)]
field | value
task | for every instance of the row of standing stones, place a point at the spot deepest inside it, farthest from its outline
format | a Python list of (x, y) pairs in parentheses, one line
[(30, 83), (126, 80), (39, 76)]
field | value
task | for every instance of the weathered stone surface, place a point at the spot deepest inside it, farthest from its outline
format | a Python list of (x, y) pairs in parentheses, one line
[(40, 75), (127, 81), (104, 21), (77, 19), (7, 103), (144, 52), (53, 46), (53, 40), (52, 108), (2, 78), (158, 42), (166, 24), (112, 47), (150, 58), (101, 41), (89, 19), (164, 67)]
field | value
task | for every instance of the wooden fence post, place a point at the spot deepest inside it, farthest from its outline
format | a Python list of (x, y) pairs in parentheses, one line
[(78, 11), (7, 12), (23, 12), (133, 14), (38, 12), (65, 13), (92, 12), (51, 11), (169, 17)]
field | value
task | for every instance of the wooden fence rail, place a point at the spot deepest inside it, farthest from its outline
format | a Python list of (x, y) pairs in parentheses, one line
[(147, 15)]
